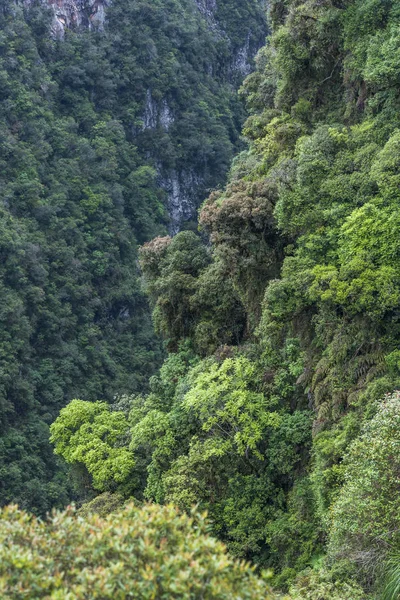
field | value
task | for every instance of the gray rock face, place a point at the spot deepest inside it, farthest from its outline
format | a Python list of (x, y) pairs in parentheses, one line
[(181, 189), (208, 8), (72, 14), (156, 114), (241, 63)]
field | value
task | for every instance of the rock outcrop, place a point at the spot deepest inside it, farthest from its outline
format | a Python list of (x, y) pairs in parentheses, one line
[(73, 14), (157, 114), (181, 189)]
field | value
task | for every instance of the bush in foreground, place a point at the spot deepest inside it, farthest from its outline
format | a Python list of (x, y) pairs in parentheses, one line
[(144, 553), (319, 585)]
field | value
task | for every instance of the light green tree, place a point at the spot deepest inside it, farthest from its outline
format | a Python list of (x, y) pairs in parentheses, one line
[(91, 434)]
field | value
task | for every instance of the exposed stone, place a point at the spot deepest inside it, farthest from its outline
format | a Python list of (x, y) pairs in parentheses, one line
[(157, 114), (241, 63), (182, 195), (73, 14), (208, 9), (166, 117)]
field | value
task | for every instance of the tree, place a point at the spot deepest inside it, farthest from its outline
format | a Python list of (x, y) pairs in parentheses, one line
[(192, 294), (90, 434)]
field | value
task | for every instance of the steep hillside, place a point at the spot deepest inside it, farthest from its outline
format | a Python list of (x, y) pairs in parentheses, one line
[(221, 38), (276, 409), (92, 121)]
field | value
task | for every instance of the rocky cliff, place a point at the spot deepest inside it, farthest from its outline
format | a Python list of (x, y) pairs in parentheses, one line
[(75, 13)]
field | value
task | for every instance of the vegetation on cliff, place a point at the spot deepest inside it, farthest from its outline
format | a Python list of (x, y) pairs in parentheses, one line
[(80, 191), (276, 409)]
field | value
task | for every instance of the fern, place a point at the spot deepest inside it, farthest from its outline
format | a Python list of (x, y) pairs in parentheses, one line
[(392, 583)]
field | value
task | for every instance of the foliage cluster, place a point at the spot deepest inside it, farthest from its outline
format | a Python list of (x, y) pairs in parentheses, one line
[(137, 553), (192, 297), (215, 438), (319, 585), (366, 530)]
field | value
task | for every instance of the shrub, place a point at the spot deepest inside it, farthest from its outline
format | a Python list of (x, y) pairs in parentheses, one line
[(319, 585), (365, 517), (138, 553)]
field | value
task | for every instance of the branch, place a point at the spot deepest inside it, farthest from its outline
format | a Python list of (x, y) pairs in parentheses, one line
[(331, 75)]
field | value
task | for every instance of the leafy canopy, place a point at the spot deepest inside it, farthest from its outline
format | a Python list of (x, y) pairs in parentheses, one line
[(89, 433)]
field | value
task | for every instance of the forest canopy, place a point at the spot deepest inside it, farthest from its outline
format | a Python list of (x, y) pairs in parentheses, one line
[(276, 407), (85, 154)]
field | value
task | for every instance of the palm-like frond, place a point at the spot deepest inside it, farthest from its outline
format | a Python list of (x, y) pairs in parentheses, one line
[(392, 582)]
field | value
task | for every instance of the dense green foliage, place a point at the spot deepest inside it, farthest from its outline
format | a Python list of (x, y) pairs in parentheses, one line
[(276, 409), (320, 585), (368, 528), (192, 296), (138, 553), (88, 433), (80, 191)]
